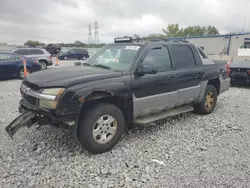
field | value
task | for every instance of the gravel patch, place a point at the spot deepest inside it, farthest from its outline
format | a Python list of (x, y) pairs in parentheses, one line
[(188, 151)]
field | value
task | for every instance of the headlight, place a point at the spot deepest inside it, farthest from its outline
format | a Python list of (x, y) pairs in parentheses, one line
[(53, 91), (47, 102)]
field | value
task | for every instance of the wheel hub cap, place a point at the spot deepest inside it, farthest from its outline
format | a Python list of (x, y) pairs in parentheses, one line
[(209, 100), (43, 65), (104, 129)]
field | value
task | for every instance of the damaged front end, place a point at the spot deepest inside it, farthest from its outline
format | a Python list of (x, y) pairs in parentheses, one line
[(30, 115), (27, 118), (40, 107)]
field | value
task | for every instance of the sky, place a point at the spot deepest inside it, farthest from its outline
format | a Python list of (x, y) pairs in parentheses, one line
[(54, 21)]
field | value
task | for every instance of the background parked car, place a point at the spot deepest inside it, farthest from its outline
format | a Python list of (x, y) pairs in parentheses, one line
[(11, 65), (240, 72), (53, 49), (74, 54), (42, 55)]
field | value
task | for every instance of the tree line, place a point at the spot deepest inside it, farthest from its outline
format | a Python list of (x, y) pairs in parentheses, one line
[(172, 30)]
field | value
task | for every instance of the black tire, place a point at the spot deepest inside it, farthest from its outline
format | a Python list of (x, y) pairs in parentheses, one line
[(202, 107), (20, 73), (43, 64), (87, 122)]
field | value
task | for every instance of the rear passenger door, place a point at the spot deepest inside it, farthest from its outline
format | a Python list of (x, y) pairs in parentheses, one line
[(153, 93), (188, 73), (72, 54)]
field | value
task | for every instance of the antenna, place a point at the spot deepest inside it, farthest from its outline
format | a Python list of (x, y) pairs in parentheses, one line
[(96, 36), (90, 35)]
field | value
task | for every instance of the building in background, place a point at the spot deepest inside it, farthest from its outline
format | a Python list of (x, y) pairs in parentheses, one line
[(220, 44)]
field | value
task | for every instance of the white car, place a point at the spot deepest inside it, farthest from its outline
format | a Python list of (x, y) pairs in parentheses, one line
[(40, 54)]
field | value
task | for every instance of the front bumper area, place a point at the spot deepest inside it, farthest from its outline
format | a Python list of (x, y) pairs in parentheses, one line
[(22, 120), (32, 115)]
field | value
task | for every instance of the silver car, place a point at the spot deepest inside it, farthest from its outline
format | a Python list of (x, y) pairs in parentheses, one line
[(40, 54)]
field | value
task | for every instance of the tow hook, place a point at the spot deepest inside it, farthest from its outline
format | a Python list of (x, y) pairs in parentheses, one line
[(20, 121)]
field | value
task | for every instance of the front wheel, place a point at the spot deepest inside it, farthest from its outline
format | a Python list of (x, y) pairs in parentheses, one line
[(43, 65), (207, 105), (100, 128)]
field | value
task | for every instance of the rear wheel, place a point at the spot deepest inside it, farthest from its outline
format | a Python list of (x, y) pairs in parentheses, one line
[(43, 64), (20, 73), (207, 105), (100, 128)]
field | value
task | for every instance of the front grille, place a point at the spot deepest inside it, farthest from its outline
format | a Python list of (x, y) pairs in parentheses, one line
[(29, 99), (31, 85)]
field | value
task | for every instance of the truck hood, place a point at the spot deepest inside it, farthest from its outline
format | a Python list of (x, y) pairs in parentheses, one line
[(66, 76)]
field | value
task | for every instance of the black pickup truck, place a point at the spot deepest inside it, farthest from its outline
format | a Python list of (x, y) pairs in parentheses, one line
[(148, 81)]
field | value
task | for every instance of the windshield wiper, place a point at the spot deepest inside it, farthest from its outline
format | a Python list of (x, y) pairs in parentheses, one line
[(102, 66)]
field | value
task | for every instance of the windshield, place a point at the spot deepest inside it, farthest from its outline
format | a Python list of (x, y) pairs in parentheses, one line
[(116, 57)]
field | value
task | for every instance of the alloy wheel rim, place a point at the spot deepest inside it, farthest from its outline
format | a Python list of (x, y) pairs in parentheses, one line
[(43, 65), (209, 100), (104, 129)]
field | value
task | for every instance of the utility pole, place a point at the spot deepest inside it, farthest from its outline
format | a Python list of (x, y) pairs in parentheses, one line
[(90, 35), (245, 24), (96, 36)]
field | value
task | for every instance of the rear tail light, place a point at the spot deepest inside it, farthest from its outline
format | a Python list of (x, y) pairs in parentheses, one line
[(50, 57), (35, 60), (228, 67), (248, 71)]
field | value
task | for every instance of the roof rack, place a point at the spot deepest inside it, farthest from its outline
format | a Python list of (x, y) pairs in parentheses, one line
[(127, 39)]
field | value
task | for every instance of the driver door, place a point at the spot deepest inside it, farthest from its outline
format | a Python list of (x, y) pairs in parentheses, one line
[(153, 93), (71, 54)]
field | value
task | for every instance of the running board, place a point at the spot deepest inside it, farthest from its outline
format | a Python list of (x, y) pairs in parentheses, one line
[(162, 115)]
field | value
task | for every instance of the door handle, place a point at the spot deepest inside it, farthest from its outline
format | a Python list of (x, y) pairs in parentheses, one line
[(172, 78), (196, 75)]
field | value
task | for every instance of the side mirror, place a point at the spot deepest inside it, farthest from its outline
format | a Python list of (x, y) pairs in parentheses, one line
[(146, 69)]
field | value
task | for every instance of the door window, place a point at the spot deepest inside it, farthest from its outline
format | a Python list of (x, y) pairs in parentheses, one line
[(8, 57), (183, 56), (72, 51), (21, 52), (35, 51), (4, 57), (160, 58)]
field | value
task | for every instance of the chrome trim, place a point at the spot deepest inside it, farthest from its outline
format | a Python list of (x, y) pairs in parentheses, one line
[(31, 92)]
